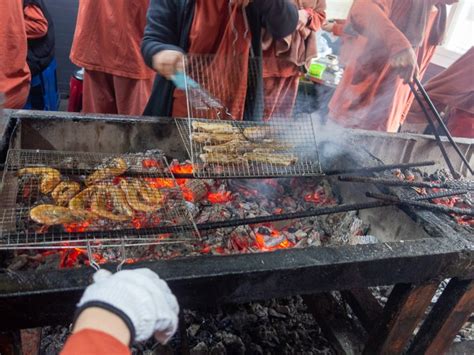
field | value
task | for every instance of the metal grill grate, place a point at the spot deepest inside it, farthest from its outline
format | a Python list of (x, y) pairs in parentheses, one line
[(250, 149), (67, 199), (258, 132)]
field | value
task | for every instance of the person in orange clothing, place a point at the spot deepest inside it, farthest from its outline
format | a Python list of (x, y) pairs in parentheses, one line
[(119, 309), (228, 32), (14, 72), (282, 59), (395, 41), (452, 92), (107, 44)]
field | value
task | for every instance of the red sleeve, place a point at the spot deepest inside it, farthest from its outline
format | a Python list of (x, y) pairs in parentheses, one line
[(371, 18), (35, 22), (318, 15), (93, 342)]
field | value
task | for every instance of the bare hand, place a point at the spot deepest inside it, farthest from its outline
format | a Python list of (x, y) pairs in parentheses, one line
[(328, 26), (241, 3), (168, 62), (405, 64), (303, 18)]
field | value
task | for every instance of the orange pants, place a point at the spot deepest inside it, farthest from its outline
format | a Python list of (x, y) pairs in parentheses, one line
[(280, 96), (107, 93)]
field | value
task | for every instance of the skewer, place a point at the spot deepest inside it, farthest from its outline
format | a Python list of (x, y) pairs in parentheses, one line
[(391, 182), (425, 205), (438, 118)]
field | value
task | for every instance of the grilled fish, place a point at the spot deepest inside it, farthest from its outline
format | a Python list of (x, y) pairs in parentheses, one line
[(49, 177), (215, 138), (111, 203), (237, 146), (272, 158), (65, 191), (82, 202), (257, 133), (116, 167), (51, 215), (214, 127), (142, 197)]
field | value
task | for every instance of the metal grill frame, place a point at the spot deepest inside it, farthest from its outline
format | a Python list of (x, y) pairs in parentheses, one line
[(80, 163), (299, 134)]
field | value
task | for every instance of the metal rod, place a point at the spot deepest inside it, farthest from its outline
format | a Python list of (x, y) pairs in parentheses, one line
[(213, 225), (441, 195), (435, 131), (66, 171), (390, 182), (426, 205), (442, 124)]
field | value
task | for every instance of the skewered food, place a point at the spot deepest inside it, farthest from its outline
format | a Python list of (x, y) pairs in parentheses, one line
[(272, 158), (111, 203), (65, 191), (217, 158), (82, 202), (257, 133), (237, 146), (116, 167), (52, 215), (214, 127), (49, 177), (140, 196), (215, 138)]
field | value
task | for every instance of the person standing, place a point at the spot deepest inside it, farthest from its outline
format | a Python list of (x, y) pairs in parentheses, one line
[(395, 41), (107, 44), (230, 31), (283, 58), (452, 92), (14, 72)]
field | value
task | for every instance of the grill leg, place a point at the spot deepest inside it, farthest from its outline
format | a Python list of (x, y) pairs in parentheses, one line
[(445, 320), (364, 305), (404, 310)]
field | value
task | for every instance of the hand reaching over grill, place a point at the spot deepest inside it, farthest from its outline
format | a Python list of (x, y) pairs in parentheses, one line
[(168, 62), (138, 297)]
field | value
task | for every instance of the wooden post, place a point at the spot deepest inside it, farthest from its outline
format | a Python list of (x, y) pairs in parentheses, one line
[(364, 305), (404, 310), (332, 317), (446, 318)]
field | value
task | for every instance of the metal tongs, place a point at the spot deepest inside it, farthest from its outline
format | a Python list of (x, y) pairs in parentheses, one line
[(442, 127), (200, 96)]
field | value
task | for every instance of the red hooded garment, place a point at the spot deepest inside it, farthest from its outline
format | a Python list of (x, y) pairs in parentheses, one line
[(371, 95), (453, 93)]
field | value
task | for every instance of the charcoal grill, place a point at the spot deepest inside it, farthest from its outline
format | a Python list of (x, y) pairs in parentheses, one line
[(421, 247), (19, 231)]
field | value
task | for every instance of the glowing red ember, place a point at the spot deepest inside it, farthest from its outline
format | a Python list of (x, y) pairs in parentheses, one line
[(220, 197)]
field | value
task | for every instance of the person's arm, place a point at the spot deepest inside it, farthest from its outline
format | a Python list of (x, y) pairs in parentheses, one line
[(161, 31), (280, 17), (35, 22), (118, 309)]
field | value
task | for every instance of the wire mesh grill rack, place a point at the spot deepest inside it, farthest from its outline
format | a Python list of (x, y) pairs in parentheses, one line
[(250, 149), (239, 126), (52, 199)]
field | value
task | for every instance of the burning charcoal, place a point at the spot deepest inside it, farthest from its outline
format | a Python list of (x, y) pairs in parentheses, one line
[(194, 190)]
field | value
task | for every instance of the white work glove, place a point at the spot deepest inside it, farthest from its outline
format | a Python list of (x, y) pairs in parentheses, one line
[(139, 295)]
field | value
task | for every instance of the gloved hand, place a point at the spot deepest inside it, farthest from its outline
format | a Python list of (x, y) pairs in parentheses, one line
[(139, 297)]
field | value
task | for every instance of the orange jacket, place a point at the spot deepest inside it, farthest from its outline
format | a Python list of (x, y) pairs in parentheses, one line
[(94, 342), (14, 71), (108, 37)]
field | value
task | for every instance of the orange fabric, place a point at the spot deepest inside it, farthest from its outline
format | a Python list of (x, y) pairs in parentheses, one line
[(212, 32), (93, 342), (107, 93), (371, 95), (108, 37), (14, 72), (461, 123), (452, 92), (280, 96), (282, 57), (35, 22)]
